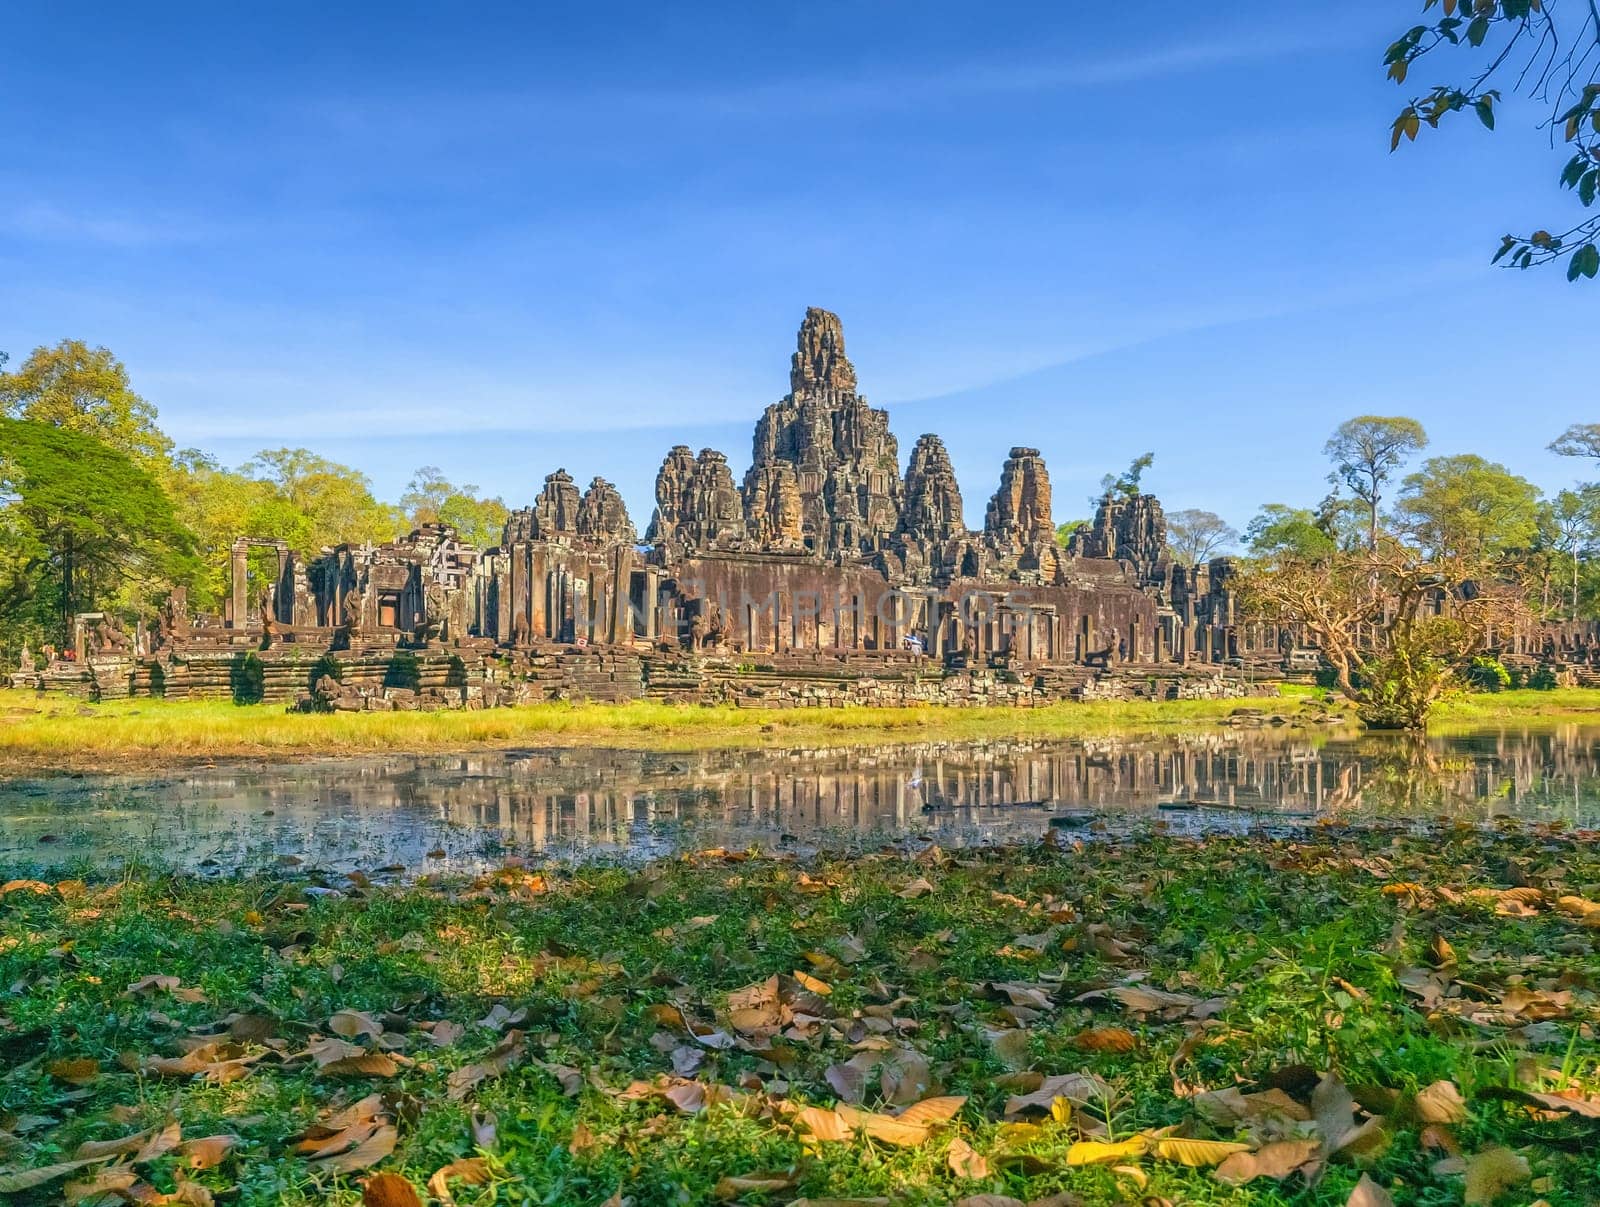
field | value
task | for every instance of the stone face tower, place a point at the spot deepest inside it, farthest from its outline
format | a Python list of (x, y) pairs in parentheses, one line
[(1017, 527), (844, 461)]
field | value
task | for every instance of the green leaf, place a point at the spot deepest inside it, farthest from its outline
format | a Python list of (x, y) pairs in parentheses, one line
[(1587, 186), (1485, 113), (1478, 30), (1504, 248)]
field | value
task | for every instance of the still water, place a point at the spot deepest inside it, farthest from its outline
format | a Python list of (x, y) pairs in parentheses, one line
[(417, 813)]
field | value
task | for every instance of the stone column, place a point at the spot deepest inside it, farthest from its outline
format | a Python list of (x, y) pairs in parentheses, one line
[(239, 613), (621, 625), (536, 607)]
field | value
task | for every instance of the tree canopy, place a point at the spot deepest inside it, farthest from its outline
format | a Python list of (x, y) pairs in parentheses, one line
[(1279, 531), (1195, 536), (432, 499), (84, 389), (1366, 453), (1465, 506), (85, 525)]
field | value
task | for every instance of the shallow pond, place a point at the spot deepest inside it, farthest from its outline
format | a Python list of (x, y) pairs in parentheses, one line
[(412, 813)]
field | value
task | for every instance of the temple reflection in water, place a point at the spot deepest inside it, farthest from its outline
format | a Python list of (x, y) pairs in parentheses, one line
[(476, 807)]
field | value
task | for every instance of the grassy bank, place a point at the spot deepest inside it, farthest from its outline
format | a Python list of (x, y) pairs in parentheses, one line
[(55, 732), (1154, 1019), (52, 731)]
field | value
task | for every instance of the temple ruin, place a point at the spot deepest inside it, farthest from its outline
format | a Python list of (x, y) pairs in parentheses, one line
[(825, 577)]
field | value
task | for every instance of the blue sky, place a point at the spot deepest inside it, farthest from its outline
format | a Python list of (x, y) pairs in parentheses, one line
[(527, 236)]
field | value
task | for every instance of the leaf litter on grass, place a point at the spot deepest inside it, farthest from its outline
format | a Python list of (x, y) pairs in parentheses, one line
[(1361, 1009)]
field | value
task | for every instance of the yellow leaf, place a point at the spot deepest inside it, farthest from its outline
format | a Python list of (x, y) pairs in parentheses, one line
[(1197, 1153), (1099, 1152), (812, 983)]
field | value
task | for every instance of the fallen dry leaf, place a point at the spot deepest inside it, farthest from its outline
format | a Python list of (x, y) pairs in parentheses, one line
[(1105, 1039), (502, 1057), (1440, 1102), (378, 1145), (474, 1171), (1276, 1160), (965, 1161), (752, 1183), (207, 1152), (82, 1071), (1196, 1153), (1080, 1089), (389, 1190), (353, 1024)]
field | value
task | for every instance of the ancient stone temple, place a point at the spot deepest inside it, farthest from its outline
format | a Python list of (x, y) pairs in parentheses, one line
[(825, 578)]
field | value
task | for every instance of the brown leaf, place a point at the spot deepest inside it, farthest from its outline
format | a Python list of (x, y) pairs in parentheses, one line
[(752, 1183), (28, 1179), (1277, 1160), (474, 1171), (1440, 1102), (353, 1024), (1369, 1194), (82, 1071), (159, 1143), (1012, 1046), (1080, 1089), (989, 1200), (1493, 1172), (207, 1152), (369, 1152), (111, 1181), (389, 1190), (1106, 1039), (152, 984), (1233, 1106), (368, 1064), (502, 1057), (965, 1161), (444, 1033), (933, 1110), (917, 888), (95, 1150)]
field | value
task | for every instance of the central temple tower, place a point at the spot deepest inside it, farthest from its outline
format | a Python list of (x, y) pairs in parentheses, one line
[(825, 469)]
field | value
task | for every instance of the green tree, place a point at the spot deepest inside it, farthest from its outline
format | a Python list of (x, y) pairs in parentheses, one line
[(432, 499), (315, 502), (1126, 484), (1065, 530), (86, 525), (1195, 536), (217, 505), (1546, 49), (1279, 531), (1579, 440), (1366, 453), (84, 389), (1569, 526), (1464, 506)]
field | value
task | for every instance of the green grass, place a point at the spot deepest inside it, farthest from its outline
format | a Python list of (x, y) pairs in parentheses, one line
[(60, 731), (1305, 943)]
